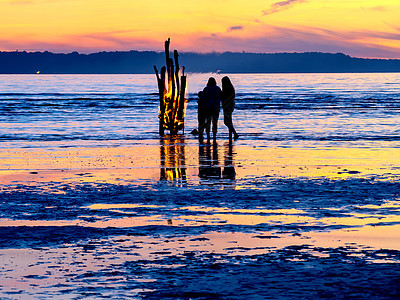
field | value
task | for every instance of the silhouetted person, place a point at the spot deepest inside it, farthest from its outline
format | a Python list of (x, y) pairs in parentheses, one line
[(212, 98), (201, 112), (228, 105)]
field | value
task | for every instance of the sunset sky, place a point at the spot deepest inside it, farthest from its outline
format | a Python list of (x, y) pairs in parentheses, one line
[(362, 28)]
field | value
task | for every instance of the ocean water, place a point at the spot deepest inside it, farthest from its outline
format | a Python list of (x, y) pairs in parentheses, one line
[(292, 108)]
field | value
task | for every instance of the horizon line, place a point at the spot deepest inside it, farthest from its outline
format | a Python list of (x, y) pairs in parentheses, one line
[(191, 52)]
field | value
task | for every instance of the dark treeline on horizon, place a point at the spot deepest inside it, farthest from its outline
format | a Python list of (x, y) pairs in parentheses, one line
[(141, 62)]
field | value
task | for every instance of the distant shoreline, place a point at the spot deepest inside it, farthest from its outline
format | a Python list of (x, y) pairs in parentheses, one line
[(141, 62)]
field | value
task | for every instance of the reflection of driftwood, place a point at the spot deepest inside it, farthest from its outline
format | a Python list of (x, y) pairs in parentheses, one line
[(172, 157), (171, 93)]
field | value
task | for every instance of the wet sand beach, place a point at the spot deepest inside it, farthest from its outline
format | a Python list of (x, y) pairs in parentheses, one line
[(170, 218), (305, 204)]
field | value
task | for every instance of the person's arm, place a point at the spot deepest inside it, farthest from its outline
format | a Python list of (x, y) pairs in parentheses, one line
[(200, 95)]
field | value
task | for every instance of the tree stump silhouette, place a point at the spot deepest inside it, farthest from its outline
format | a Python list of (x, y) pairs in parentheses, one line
[(171, 89)]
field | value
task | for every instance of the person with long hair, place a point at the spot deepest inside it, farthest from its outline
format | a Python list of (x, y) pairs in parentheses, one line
[(211, 103), (228, 105)]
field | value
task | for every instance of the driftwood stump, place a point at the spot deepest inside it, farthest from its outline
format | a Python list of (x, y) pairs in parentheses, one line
[(171, 89)]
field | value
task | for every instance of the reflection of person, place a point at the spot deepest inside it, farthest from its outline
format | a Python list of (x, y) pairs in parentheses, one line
[(229, 170), (211, 98), (208, 165), (228, 105)]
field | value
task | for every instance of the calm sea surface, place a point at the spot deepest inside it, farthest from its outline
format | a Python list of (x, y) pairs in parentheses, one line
[(293, 108)]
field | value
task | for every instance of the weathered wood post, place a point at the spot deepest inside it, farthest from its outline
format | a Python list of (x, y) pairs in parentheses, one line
[(171, 90)]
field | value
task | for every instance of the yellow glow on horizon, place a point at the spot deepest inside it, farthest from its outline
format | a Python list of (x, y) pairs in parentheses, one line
[(203, 27)]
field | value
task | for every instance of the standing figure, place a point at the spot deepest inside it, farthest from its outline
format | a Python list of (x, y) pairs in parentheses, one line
[(201, 113), (211, 99), (228, 105)]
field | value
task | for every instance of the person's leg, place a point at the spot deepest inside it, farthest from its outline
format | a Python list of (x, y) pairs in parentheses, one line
[(201, 125), (215, 117), (201, 130), (235, 135), (200, 121), (205, 123), (208, 129), (232, 128), (228, 122)]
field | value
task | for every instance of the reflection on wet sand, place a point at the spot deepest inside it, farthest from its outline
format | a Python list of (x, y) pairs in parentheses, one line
[(209, 167), (44, 168), (271, 227), (172, 158), (229, 169)]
